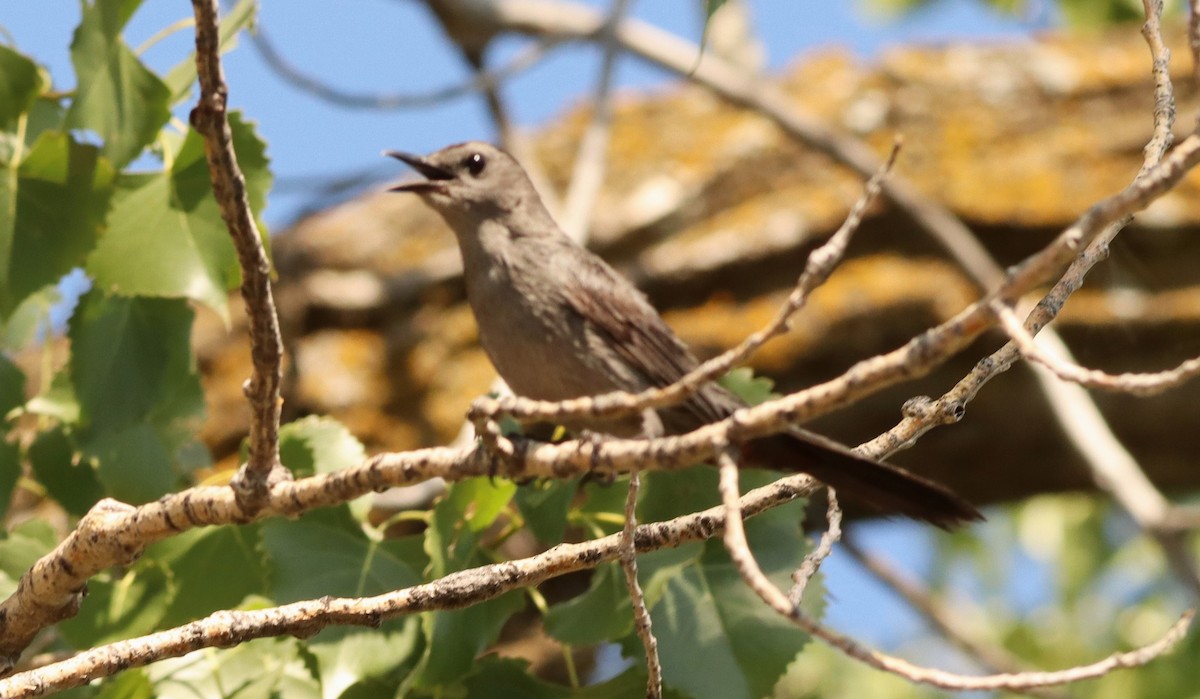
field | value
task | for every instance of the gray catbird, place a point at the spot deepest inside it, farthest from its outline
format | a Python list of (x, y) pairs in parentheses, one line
[(558, 322)]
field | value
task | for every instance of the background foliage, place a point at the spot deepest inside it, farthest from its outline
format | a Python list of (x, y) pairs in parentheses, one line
[(103, 178)]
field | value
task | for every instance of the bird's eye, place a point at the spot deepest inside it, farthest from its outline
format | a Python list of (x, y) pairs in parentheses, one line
[(475, 163)]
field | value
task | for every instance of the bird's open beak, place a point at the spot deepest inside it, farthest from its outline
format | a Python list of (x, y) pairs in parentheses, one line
[(433, 174)]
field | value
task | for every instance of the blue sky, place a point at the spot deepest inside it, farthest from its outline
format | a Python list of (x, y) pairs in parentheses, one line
[(393, 46)]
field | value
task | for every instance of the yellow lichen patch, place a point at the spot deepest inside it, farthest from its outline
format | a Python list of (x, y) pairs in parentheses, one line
[(342, 369), (452, 388), (1126, 307), (869, 287), (447, 369)]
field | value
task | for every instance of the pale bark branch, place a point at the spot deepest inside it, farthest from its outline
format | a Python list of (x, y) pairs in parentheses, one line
[(453, 591), (1134, 383)]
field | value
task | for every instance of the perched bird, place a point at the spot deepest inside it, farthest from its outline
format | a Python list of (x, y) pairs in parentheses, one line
[(558, 322)]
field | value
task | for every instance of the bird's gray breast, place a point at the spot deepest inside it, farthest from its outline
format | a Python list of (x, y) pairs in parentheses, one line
[(539, 344)]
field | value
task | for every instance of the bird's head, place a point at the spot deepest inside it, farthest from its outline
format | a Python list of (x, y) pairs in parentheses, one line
[(472, 179)]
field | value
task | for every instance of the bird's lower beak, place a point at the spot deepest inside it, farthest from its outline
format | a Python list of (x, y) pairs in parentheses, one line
[(433, 174)]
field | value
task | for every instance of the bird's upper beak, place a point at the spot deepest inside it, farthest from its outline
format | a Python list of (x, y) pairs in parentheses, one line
[(433, 174)]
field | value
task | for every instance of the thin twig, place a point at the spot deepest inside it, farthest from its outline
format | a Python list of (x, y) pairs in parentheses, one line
[(743, 559), (812, 562), (464, 588), (1133, 383), (1113, 467), (229, 189), (641, 615), (1164, 92), (478, 82), (949, 623)]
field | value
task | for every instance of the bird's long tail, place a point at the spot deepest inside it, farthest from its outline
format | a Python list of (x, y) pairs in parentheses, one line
[(886, 488)]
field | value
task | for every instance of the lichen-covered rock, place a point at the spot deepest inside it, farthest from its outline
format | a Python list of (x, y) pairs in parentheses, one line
[(711, 210)]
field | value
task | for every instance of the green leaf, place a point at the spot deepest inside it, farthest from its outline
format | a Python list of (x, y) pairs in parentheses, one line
[(47, 114), (131, 684), (129, 605), (50, 220), (12, 386), (710, 9), (30, 319), (317, 444), (138, 390), (600, 502), (322, 445), (481, 500), (602, 613), (1099, 13), (117, 97), (327, 553), (317, 556), (10, 473), (750, 388), (190, 169), (242, 16), (669, 494), (20, 84), (631, 683), (193, 559), (173, 219), (57, 466), (371, 661), (12, 395), (545, 505), (492, 673), (716, 637), (449, 543), (454, 638), (21, 548), (57, 401), (266, 668)]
